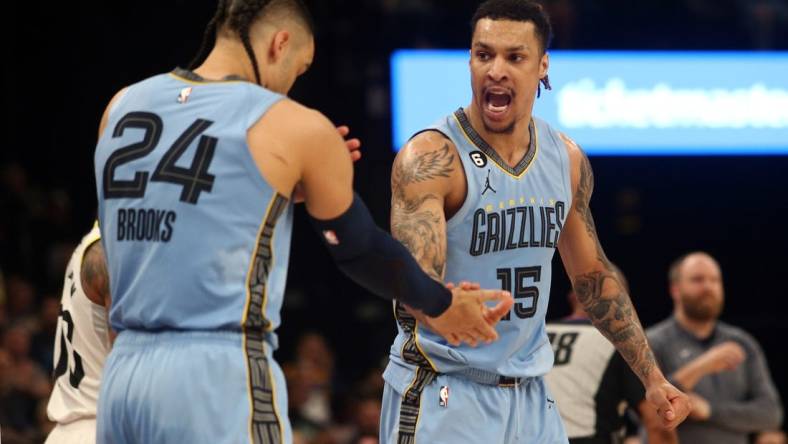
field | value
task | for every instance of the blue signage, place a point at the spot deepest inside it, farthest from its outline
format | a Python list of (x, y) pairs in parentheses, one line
[(623, 102)]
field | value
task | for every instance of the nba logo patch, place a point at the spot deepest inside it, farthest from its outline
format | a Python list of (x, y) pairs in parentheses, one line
[(444, 396), (331, 237), (183, 97)]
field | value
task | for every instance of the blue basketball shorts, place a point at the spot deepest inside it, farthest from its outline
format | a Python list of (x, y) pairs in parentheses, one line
[(422, 407), (195, 387)]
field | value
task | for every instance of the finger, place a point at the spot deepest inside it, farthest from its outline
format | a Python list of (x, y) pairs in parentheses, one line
[(481, 336), (452, 339), (344, 130), (450, 286), (486, 332), (494, 295), (495, 313), (353, 144), (665, 410), (355, 156), (469, 339), (470, 286)]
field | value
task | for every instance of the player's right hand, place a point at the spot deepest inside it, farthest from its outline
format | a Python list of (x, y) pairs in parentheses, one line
[(673, 405), (468, 319)]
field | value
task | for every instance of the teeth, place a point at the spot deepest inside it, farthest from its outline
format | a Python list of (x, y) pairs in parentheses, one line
[(496, 109)]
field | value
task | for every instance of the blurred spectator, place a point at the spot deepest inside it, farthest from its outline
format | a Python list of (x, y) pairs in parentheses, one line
[(3, 302), (771, 437), (21, 296), (764, 20), (20, 205), (309, 383), (23, 386), (720, 366)]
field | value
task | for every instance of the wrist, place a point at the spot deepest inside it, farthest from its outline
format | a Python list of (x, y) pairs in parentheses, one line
[(654, 378), (439, 304)]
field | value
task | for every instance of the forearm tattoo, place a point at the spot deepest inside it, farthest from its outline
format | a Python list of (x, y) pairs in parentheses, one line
[(420, 229), (604, 297)]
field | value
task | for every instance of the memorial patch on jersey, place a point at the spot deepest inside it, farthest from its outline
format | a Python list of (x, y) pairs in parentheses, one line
[(478, 158)]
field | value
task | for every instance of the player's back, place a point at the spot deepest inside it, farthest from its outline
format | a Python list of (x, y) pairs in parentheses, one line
[(195, 238)]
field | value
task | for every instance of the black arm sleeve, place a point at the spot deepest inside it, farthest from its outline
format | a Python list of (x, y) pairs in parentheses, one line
[(377, 262)]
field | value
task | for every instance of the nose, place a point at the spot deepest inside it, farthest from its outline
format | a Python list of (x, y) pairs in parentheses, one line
[(497, 71)]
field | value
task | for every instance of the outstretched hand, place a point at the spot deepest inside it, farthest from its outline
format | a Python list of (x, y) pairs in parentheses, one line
[(468, 319)]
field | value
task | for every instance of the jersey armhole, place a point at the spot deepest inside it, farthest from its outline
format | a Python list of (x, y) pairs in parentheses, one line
[(468, 203), (257, 109)]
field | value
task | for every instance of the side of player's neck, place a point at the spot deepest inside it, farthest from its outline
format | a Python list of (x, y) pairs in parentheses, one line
[(510, 146), (227, 58)]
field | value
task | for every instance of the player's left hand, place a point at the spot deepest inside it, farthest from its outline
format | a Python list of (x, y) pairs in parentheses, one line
[(490, 314), (672, 404), (353, 146)]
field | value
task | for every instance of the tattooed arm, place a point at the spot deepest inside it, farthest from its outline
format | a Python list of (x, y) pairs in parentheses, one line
[(425, 174), (605, 299), (95, 279), (420, 181)]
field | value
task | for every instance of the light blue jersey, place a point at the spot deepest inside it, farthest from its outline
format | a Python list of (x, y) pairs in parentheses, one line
[(503, 236), (197, 246), (195, 237)]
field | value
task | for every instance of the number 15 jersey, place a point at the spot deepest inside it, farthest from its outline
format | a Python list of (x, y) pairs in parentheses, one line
[(195, 237), (503, 236)]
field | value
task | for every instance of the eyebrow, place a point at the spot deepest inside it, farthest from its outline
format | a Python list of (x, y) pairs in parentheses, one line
[(509, 49)]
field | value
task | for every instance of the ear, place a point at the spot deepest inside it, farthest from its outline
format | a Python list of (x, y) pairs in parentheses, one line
[(544, 65), (674, 293), (279, 45)]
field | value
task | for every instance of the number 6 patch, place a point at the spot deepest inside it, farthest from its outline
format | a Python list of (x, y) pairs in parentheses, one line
[(479, 159)]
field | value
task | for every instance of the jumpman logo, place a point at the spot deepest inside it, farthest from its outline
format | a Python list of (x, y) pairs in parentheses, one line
[(487, 185)]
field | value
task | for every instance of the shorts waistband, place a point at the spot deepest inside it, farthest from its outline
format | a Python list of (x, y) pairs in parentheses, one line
[(489, 378), (139, 338)]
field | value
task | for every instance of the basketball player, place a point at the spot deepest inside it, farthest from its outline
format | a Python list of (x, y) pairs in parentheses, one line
[(490, 192), (194, 171), (82, 342)]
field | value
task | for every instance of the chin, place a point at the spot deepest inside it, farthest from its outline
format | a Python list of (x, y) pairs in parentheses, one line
[(499, 127)]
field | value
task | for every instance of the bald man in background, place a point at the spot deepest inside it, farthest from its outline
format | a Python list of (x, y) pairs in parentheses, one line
[(722, 367)]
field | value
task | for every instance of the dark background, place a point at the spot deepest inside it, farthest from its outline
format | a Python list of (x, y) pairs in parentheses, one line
[(62, 62)]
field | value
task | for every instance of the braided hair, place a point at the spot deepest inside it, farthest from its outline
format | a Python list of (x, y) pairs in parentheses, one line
[(238, 16)]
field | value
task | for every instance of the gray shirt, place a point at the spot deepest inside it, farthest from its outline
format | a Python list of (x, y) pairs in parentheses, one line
[(743, 401)]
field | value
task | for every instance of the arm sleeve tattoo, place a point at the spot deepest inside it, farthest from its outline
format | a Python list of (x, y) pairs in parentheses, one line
[(604, 297), (414, 222)]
